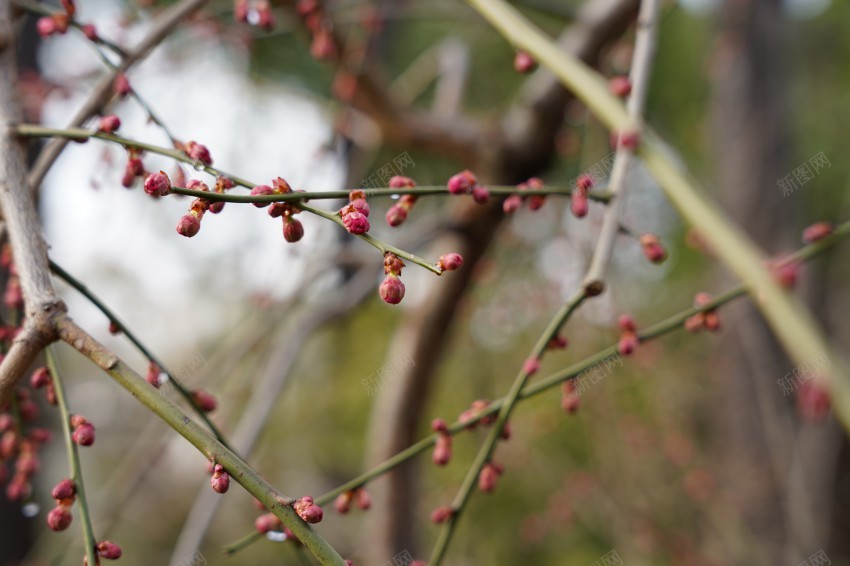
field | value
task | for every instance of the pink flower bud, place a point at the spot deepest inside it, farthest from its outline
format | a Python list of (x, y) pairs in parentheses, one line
[(620, 86), (711, 321), (293, 230), (524, 63), (531, 366), (84, 434), (442, 450), (152, 376), (18, 489), (90, 32), (198, 152), (627, 344), (307, 510), (108, 124), (266, 523), (46, 26), (342, 503), (361, 206), (205, 401), (262, 190), (7, 422), (488, 477), (220, 480), (65, 489), (392, 264), (322, 46), (695, 323), (189, 225), (40, 378), (121, 86), (626, 323), (400, 182), (355, 222), (40, 435), (364, 500), (570, 400), (441, 514), (578, 205), (785, 273), (817, 232), (391, 289), (240, 10), (69, 7), (652, 248), (109, 550), (59, 518), (584, 182), (158, 184), (439, 425), (27, 464), (396, 215), (813, 402), (512, 204), (558, 343), (265, 17), (450, 262), (462, 182), (28, 410), (480, 194), (77, 420), (628, 140)]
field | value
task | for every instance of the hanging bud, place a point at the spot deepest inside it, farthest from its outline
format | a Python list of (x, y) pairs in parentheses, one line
[(442, 450), (450, 262), (396, 215), (626, 323), (524, 63), (391, 289), (363, 499), (46, 26), (627, 343), (265, 17), (220, 480), (570, 399), (90, 32), (584, 182), (198, 152), (480, 194), (578, 205), (511, 204), (59, 518), (153, 374), (342, 503), (189, 225), (293, 230), (240, 11)]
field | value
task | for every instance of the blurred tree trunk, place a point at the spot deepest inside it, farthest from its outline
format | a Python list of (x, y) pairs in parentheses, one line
[(779, 472)]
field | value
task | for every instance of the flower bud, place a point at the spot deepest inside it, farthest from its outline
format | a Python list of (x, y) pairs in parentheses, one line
[(220, 480), (392, 264), (293, 230), (307, 510), (361, 206), (480, 194), (77, 420), (439, 425), (18, 489), (578, 205), (652, 248), (40, 378), (626, 323), (695, 323), (570, 400), (262, 190), (240, 11), (816, 232), (627, 344), (189, 225), (442, 450), (450, 262), (401, 182), (40, 435), (205, 401), (109, 550), (265, 17), (524, 63), (46, 26), (558, 342), (813, 402), (266, 523), (462, 182), (488, 478), (511, 204), (59, 518), (65, 489), (90, 32), (121, 86), (629, 140), (785, 272), (441, 514), (531, 366), (620, 86), (355, 222), (7, 422), (108, 124), (363, 499), (584, 182), (84, 434), (342, 503), (391, 289), (158, 184), (198, 152), (152, 376), (396, 215), (322, 47)]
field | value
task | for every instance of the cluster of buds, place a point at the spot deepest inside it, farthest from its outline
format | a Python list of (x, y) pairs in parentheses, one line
[(466, 182), (443, 447), (391, 289), (41, 378), (56, 23), (205, 401), (706, 319), (535, 202), (524, 63), (360, 496), (134, 168), (23, 450), (398, 212), (473, 417), (82, 430), (628, 337), (620, 86), (293, 230), (109, 124), (570, 399), (355, 214), (257, 13), (65, 493), (322, 46), (190, 223), (220, 479), (813, 402), (816, 232), (652, 248), (307, 510), (489, 476)]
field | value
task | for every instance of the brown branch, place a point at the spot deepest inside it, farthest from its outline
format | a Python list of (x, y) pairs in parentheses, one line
[(101, 94), (22, 224)]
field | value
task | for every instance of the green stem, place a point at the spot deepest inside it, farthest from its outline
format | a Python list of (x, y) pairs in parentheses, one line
[(790, 321), (198, 436), (245, 541), (93, 299), (74, 467)]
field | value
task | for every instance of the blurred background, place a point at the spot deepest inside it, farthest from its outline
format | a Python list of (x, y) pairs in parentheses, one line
[(689, 453)]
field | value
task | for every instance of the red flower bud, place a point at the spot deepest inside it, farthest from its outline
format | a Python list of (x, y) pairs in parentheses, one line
[(121, 86), (205, 401), (450, 262), (524, 63), (531, 366), (198, 152), (322, 46), (77, 420), (293, 230), (400, 182), (59, 518), (220, 480), (652, 248), (480, 194), (240, 10), (40, 378), (817, 232), (462, 182), (578, 205), (441, 514), (46, 26), (69, 7), (265, 17), (620, 86), (109, 550), (439, 425), (584, 182), (626, 323), (18, 489), (355, 222), (364, 500), (40, 435), (108, 124), (307, 510), (90, 32), (512, 204), (627, 344), (785, 273), (813, 402), (628, 140), (261, 190), (342, 503), (65, 489), (391, 290), (158, 184), (152, 376), (396, 215), (84, 434), (442, 450), (266, 523), (488, 477), (558, 343), (189, 225), (570, 400)]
